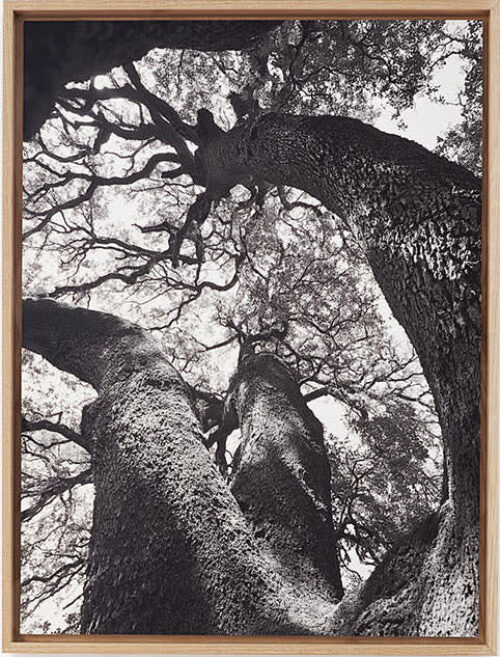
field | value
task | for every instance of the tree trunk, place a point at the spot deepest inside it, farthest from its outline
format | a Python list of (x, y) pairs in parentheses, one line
[(170, 550), (418, 219), (282, 477)]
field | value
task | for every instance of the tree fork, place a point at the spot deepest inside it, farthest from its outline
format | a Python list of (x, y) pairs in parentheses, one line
[(170, 550)]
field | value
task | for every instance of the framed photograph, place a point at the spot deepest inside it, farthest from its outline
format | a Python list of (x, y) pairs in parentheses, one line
[(250, 318)]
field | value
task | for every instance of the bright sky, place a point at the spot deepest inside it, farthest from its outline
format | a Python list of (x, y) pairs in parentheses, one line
[(428, 120)]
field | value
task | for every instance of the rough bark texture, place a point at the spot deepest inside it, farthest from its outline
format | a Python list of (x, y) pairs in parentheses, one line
[(282, 477), (418, 219), (171, 551), (59, 52)]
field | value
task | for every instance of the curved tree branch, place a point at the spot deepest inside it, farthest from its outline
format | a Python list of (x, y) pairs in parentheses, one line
[(56, 427)]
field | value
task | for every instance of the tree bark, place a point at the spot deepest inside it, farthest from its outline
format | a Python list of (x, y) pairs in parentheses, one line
[(170, 550), (56, 53), (282, 480), (418, 219), (410, 592)]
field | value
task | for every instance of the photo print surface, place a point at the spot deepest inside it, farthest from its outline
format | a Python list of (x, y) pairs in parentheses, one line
[(251, 327)]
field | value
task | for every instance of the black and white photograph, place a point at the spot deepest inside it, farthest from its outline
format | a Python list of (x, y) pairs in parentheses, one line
[(251, 367)]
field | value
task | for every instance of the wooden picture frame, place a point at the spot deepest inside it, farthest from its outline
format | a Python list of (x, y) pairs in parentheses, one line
[(15, 14)]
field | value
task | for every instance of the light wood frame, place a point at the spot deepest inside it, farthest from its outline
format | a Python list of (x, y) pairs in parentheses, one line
[(15, 13)]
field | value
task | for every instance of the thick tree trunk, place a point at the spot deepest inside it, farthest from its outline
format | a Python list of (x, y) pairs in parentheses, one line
[(411, 591), (282, 477), (59, 52), (171, 551), (418, 220)]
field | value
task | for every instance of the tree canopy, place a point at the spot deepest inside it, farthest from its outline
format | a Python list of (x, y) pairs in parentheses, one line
[(123, 213)]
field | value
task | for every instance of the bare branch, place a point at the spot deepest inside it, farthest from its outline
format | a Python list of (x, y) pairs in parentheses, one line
[(56, 427), (53, 490)]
